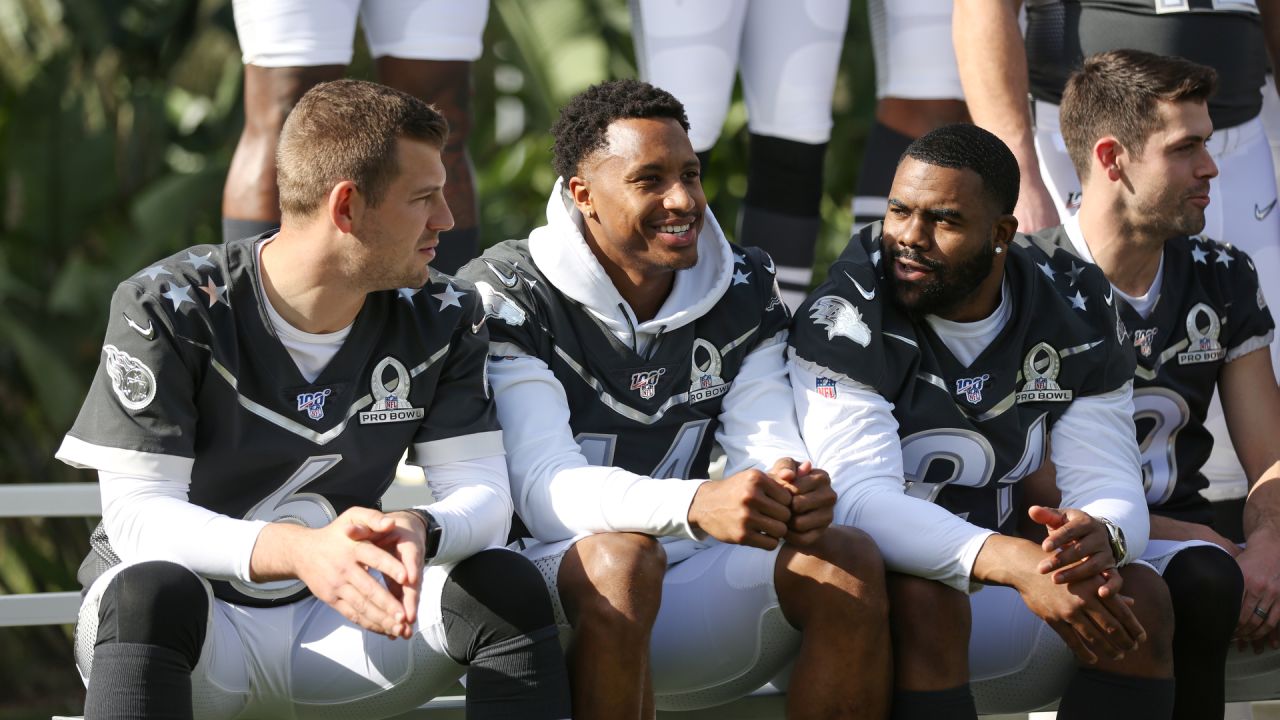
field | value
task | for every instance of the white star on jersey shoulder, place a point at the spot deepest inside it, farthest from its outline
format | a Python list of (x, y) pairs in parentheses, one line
[(449, 297), (199, 261), (1199, 254), (179, 294), (740, 277), (1078, 301)]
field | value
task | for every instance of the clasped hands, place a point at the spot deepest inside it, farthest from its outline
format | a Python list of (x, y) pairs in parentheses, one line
[(793, 501), (1075, 586)]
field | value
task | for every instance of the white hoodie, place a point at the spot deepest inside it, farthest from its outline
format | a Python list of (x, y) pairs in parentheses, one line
[(557, 493)]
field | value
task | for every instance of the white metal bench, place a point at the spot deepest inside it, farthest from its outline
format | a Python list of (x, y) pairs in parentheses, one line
[(82, 500)]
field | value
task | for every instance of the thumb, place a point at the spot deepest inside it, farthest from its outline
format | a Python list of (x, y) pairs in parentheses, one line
[(1049, 517)]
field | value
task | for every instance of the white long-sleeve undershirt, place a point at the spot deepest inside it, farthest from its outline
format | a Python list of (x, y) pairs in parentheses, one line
[(148, 516), (559, 494)]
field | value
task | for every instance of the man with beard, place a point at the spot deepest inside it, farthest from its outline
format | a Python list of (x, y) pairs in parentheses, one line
[(253, 401), (628, 336), (1137, 126), (942, 355)]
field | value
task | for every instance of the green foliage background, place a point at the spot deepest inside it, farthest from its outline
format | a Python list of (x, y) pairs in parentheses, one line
[(117, 123)]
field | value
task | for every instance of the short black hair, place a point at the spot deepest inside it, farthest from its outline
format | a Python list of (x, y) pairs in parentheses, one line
[(964, 145), (584, 121)]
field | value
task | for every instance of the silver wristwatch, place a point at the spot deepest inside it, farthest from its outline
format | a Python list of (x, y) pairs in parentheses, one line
[(1115, 536)]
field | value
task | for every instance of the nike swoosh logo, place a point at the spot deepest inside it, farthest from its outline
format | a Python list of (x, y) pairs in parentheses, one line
[(148, 333), (1108, 297), (1262, 213), (865, 294), (507, 280), (770, 268)]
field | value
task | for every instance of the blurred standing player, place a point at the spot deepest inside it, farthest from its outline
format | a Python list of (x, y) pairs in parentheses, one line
[(1234, 38), (252, 403), (1137, 127), (788, 55), (917, 90), (629, 337), (942, 356), (422, 47)]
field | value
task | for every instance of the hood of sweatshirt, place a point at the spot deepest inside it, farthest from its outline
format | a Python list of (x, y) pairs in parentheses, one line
[(562, 254)]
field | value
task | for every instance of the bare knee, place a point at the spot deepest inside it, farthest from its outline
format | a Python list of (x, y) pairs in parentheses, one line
[(613, 580), (930, 624), (842, 572)]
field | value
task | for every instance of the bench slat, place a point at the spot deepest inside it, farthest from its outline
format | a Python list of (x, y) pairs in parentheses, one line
[(51, 608)]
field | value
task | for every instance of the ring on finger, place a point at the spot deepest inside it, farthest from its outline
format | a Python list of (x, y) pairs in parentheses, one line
[(1257, 610)]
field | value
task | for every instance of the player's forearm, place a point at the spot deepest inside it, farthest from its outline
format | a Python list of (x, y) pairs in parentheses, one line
[(1006, 560), (151, 519), (1164, 528), (1262, 509), (915, 536), (473, 506), (274, 554), (584, 499), (993, 72)]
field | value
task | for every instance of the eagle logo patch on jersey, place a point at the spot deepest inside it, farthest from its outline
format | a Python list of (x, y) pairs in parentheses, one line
[(391, 397), (647, 382), (497, 305), (1202, 344), (1144, 340), (705, 381), (839, 317), (133, 382), (971, 388), (1040, 369), (313, 403)]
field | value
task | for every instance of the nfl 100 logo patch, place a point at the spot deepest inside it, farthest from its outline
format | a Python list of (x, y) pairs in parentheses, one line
[(313, 403), (826, 387), (646, 382), (971, 388)]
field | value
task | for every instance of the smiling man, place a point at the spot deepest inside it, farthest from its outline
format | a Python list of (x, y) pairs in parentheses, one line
[(944, 358), (253, 401), (628, 336)]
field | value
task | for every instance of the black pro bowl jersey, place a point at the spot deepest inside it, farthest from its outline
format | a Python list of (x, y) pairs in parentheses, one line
[(1210, 310), (192, 370), (1226, 35), (653, 414), (969, 434)]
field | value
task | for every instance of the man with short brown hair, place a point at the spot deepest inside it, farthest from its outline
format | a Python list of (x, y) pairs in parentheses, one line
[(252, 404), (1137, 126)]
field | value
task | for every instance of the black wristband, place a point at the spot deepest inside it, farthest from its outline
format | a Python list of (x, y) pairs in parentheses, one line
[(433, 531)]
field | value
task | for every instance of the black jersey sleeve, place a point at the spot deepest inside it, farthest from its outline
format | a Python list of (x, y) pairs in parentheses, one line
[(142, 398), (841, 326), (764, 283), (512, 308), (1249, 321), (461, 423)]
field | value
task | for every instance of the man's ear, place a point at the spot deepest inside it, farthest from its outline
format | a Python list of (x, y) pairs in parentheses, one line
[(1106, 157), (580, 191), (1003, 232), (345, 206)]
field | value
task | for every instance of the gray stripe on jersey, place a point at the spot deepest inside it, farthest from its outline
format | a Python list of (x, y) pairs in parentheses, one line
[(998, 409), (622, 408), (297, 428), (1068, 352), (1145, 374), (613, 403), (935, 380), (906, 340)]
